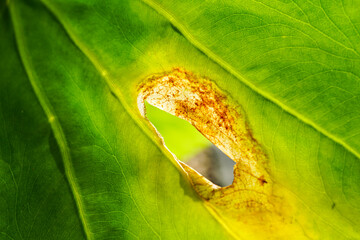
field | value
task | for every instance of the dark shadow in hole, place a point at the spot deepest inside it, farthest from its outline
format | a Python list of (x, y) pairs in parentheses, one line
[(213, 164)]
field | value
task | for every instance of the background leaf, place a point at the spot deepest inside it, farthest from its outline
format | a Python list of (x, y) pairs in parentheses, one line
[(180, 136)]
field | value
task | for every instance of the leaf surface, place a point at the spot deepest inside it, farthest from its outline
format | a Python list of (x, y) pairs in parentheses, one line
[(77, 159)]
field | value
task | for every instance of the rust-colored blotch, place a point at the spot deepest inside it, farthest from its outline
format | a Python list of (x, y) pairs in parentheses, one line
[(248, 208)]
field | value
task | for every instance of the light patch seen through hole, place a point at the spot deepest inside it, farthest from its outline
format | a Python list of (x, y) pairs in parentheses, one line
[(191, 147)]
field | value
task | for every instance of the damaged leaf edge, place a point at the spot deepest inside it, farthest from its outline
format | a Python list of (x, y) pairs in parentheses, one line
[(250, 201)]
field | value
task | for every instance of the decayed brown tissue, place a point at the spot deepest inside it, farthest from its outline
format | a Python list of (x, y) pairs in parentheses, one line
[(249, 201)]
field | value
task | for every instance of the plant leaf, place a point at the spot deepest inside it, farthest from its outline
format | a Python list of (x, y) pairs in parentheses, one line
[(78, 160), (176, 132)]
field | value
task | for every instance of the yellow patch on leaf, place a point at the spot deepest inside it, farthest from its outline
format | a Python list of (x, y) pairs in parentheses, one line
[(249, 208)]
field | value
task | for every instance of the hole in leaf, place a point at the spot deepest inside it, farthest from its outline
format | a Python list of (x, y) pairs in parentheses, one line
[(191, 147), (249, 203), (202, 104)]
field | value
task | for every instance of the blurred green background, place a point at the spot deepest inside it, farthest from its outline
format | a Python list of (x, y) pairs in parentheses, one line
[(180, 136), (190, 146)]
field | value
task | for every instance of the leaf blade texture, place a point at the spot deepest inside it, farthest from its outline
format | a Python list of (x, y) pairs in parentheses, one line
[(78, 161)]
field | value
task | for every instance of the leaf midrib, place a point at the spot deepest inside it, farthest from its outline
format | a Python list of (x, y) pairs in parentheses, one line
[(50, 114), (159, 9)]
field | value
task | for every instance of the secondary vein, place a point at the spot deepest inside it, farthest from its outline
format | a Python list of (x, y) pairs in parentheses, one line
[(172, 19)]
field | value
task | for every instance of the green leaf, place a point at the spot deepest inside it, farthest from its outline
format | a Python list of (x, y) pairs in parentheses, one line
[(179, 136), (78, 161)]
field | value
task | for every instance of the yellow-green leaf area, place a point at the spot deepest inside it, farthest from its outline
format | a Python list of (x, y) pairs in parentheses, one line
[(78, 160)]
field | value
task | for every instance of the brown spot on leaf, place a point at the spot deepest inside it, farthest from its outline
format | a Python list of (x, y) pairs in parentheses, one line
[(249, 202)]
